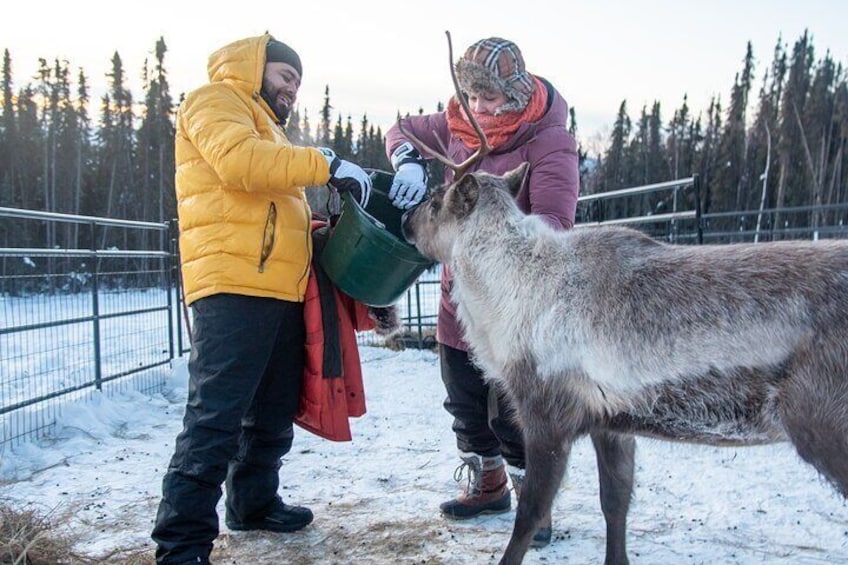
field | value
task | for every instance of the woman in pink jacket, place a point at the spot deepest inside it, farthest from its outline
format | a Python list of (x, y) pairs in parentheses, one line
[(524, 120)]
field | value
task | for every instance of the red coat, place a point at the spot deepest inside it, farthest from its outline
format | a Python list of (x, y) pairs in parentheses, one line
[(327, 400)]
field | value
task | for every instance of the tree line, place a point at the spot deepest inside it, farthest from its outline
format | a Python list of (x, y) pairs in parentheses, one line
[(789, 152), (62, 152)]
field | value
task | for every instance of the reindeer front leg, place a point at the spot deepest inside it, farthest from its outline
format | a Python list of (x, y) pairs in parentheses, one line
[(550, 422), (545, 468), (615, 454)]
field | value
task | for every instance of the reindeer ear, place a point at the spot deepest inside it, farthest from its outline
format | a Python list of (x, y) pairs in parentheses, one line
[(463, 196), (515, 178)]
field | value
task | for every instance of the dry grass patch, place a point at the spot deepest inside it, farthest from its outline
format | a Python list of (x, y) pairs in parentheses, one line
[(30, 535)]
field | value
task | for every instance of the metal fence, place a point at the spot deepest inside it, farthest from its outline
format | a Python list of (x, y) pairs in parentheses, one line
[(108, 316), (77, 320)]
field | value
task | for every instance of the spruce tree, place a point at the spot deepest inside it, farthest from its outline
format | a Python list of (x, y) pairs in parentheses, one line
[(8, 138), (116, 151), (322, 136), (292, 131), (378, 141), (635, 172), (677, 142), (27, 163), (338, 142), (306, 131), (729, 180), (792, 167), (616, 168), (155, 143), (761, 139), (67, 139), (84, 163), (707, 161), (362, 149), (582, 155), (348, 138), (657, 170), (820, 133)]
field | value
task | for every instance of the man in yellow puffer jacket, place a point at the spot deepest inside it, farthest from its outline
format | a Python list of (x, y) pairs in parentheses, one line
[(245, 245)]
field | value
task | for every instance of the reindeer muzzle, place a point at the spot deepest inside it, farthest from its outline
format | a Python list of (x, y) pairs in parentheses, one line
[(405, 227)]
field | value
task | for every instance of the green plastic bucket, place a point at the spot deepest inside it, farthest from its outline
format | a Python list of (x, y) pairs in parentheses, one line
[(366, 255)]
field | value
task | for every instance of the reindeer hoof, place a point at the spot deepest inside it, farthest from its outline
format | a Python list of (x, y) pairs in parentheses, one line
[(542, 537)]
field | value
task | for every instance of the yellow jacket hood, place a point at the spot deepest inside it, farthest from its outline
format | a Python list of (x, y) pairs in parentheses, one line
[(240, 64)]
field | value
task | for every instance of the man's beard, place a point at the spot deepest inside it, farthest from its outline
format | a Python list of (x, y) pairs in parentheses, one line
[(282, 112)]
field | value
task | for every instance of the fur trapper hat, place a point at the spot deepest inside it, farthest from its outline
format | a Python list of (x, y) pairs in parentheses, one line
[(496, 65)]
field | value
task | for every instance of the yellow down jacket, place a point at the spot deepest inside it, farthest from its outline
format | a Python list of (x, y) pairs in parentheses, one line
[(244, 218)]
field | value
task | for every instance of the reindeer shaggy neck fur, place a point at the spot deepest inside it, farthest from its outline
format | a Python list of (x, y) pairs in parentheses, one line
[(608, 332)]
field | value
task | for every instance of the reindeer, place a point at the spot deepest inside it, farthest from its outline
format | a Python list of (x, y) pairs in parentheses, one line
[(604, 331)]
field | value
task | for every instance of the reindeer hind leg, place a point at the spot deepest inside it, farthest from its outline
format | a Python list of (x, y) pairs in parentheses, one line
[(814, 406)]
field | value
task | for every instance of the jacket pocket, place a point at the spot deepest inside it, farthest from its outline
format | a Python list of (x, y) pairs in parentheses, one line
[(268, 236)]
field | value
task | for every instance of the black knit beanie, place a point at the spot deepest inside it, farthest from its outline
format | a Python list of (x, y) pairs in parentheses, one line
[(279, 52)]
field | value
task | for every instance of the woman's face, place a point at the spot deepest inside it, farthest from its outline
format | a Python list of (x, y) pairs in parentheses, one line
[(486, 103)]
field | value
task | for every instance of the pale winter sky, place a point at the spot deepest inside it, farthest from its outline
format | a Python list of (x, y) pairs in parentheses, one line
[(380, 57)]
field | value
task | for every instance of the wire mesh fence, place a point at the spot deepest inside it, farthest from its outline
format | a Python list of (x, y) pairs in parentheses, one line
[(94, 305), (77, 320)]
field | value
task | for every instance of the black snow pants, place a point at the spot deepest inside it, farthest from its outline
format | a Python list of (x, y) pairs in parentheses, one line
[(245, 374), (483, 419)]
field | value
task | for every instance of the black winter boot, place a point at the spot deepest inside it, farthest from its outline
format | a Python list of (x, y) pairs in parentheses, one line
[(542, 537), (279, 518), (253, 502), (485, 492)]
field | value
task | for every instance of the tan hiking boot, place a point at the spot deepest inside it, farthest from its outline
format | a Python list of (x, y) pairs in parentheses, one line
[(485, 492)]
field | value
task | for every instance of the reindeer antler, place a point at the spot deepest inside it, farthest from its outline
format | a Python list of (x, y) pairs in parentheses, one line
[(461, 168)]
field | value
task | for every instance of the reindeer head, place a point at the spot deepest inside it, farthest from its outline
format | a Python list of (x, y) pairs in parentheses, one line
[(477, 199)]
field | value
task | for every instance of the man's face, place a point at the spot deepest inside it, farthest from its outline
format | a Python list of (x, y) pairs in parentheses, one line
[(279, 84)]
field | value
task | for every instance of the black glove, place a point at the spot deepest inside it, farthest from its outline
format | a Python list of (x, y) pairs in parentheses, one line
[(348, 177)]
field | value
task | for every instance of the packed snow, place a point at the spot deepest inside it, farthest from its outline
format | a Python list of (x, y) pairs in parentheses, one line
[(376, 498)]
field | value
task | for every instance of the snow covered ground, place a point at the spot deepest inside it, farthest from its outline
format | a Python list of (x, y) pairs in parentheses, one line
[(376, 499)]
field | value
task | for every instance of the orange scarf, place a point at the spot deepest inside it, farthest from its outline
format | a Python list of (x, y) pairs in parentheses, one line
[(498, 129)]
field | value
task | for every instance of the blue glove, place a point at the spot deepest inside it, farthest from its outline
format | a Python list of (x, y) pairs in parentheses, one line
[(410, 183), (348, 177)]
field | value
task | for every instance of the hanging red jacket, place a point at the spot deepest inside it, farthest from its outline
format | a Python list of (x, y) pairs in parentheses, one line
[(332, 390)]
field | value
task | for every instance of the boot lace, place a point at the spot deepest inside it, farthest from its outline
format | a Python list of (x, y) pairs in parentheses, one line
[(472, 485)]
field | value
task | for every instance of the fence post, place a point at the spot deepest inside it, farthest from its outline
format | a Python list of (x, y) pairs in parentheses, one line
[(168, 265), (418, 311), (696, 188), (673, 225), (95, 307)]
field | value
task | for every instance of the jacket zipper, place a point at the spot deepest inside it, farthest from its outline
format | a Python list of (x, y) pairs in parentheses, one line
[(268, 236), (308, 245)]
